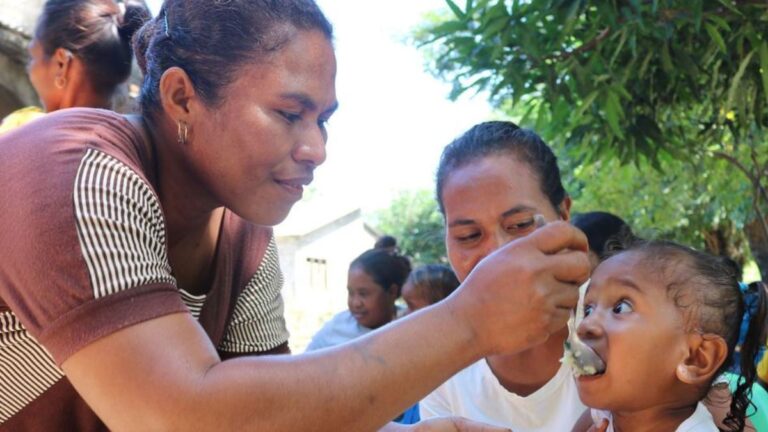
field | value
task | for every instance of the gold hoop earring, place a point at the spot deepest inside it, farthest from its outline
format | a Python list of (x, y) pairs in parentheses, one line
[(60, 82), (182, 131)]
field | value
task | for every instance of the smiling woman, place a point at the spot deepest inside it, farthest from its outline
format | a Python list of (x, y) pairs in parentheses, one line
[(374, 283), (139, 256)]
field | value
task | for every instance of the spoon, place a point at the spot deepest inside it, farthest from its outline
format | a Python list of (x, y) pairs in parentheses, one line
[(582, 359)]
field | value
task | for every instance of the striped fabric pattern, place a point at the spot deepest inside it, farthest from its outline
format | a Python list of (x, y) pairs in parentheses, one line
[(26, 368), (120, 226), (194, 302), (258, 323)]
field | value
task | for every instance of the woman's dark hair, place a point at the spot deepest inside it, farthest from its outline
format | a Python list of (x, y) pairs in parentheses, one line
[(600, 229), (706, 288), (502, 137), (98, 32), (436, 281), (211, 40), (385, 242), (384, 267)]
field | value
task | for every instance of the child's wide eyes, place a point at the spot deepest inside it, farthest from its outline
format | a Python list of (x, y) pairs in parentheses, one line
[(622, 307), (588, 309)]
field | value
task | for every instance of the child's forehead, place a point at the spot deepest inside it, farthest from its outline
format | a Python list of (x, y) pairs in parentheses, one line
[(632, 268)]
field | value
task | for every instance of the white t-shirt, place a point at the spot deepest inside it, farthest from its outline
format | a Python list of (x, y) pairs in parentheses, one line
[(700, 421), (343, 327), (476, 393)]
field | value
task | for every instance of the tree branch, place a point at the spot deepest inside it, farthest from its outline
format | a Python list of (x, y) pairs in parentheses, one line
[(586, 46), (760, 215), (755, 180), (734, 161)]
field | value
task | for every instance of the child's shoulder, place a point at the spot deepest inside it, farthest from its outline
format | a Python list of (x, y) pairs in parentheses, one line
[(700, 421)]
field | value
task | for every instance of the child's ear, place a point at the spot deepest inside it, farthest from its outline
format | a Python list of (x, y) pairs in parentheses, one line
[(706, 353)]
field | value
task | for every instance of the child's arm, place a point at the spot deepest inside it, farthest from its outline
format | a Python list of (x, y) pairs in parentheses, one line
[(584, 424)]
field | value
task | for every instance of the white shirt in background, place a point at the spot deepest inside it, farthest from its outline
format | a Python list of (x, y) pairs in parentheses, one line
[(476, 393)]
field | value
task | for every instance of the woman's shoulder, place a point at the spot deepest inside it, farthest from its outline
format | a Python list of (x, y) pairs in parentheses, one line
[(61, 141)]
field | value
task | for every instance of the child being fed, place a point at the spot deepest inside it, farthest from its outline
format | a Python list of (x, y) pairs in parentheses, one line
[(665, 320)]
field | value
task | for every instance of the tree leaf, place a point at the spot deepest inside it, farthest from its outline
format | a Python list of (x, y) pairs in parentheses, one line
[(495, 26), (456, 9), (716, 37), (666, 59), (644, 65), (613, 113), (723, 24), (729, 4), (764, 68), (737, 80)]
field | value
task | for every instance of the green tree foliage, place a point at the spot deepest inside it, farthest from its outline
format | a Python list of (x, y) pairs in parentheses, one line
[(415, 220), (677, 85), (671, 205)]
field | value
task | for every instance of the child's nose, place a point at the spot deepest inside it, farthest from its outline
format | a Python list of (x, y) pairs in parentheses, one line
[(590, 327)]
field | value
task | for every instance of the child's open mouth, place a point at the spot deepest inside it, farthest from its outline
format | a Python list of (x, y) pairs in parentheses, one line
[(583, 360), (590, 373)]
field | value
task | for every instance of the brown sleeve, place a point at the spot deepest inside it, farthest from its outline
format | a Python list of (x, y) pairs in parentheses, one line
[(83, 251)]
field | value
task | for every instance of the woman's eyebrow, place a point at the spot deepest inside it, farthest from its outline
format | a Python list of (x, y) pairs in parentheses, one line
[(510, 212), (307, 102), (518, 209)]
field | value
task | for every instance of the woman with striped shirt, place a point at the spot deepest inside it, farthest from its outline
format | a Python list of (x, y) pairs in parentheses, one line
[(136, 258)]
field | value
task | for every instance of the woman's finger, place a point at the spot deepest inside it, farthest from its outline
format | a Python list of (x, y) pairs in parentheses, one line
[(557, 236)]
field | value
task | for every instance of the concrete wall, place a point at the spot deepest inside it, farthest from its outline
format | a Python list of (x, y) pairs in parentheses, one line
[(17, 20)]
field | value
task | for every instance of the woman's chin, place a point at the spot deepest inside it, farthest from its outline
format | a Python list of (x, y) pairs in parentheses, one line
[(263, 216)]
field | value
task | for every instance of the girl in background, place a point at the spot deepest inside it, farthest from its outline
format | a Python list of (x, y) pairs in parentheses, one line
[(427, 285), (373, 284)]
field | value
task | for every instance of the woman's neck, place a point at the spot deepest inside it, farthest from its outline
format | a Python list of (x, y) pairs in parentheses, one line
[(82, 94), (525, 372), (193, 219), (656, 419), (187, 205)]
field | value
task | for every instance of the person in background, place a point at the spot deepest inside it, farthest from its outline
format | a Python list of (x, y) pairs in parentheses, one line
[(386, 242), (427, 285), (601, 228), (80, 54), (374, 281)]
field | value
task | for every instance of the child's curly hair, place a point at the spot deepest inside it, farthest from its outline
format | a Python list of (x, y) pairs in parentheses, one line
[(706, 287)]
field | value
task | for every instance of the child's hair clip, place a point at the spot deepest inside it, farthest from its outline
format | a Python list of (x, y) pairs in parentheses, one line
[(743, 287)]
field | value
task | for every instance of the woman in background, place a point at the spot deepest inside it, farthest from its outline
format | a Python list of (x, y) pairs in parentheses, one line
[(373, 284), (80, 54)]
